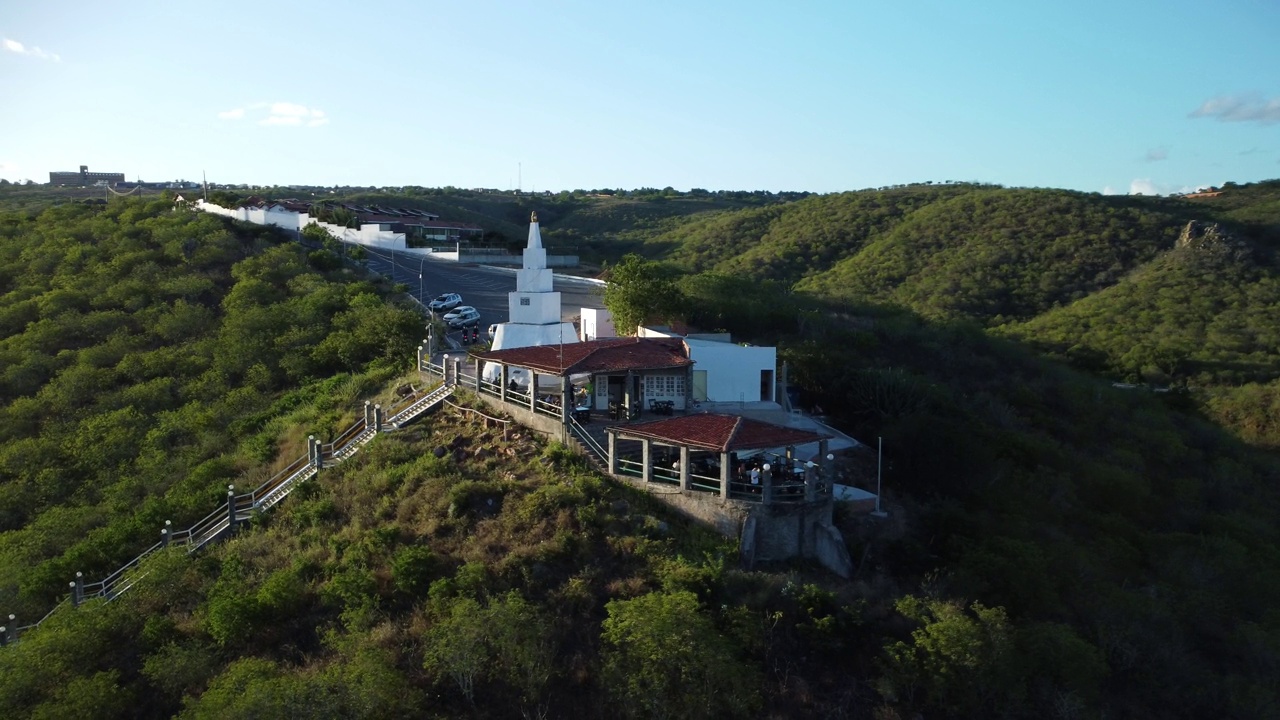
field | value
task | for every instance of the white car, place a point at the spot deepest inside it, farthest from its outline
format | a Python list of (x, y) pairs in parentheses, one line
[(460, 316), (447, 301), (493, 331)]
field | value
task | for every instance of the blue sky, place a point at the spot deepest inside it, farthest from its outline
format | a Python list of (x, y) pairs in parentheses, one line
[(820, 96)]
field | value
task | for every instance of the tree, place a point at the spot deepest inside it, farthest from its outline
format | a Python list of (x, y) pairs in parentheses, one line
[(640, 291), (663, 658)]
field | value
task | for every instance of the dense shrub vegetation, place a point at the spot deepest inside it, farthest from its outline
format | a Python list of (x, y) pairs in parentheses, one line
[(145, 354), (1057, 547)]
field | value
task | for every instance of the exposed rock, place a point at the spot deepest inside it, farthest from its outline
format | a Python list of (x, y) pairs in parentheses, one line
[(1212, 239), (440, 451)]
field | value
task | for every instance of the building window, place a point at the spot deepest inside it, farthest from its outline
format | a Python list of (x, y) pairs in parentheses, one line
[(663, 386), (524, 301)]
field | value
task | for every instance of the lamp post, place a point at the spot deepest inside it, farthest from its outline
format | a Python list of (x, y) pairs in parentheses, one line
[(421, 296), (879, 472)]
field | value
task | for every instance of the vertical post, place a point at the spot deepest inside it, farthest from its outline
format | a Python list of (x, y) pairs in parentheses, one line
[(420, 353), (164, 534), (613, 453), (879, 468), (766, 484), (231, 507), (75, 596), (685, 483), (377, 418), (479, 374), (504, 377), (724, 475), (444, 369), (10, 631), (533, 391), (646, 460), (457, 372), (367, 405), (566, 399)]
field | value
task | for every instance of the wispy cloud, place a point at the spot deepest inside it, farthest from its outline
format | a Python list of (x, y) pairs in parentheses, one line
[(1240, 108), (1157, 154), (280, 114), (14, 46), (1147, 186)]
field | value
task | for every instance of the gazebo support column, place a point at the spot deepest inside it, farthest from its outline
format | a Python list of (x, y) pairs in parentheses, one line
[(684, 469), (613, 453), (724, 474), (479, 373), (533, 391), (504, 377)]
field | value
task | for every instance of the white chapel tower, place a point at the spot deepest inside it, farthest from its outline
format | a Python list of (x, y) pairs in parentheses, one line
[(534, 307)]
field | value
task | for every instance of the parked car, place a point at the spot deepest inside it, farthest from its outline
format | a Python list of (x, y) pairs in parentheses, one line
[(493, 331), (460, 316), (445, 302)]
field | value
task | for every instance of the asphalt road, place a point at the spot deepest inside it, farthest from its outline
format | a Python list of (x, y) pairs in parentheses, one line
[(483, 287)]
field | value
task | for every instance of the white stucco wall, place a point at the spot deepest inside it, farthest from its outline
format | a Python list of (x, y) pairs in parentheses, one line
[(597, 323), (733, 371), (281, 218)]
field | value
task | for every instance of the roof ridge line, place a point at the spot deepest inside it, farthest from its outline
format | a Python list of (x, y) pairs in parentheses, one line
[(733, 434)]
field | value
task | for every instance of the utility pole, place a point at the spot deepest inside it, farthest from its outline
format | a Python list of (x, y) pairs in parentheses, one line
[(879, 466)]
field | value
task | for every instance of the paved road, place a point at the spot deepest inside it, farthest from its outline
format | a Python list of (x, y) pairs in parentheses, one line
[(483, 287)]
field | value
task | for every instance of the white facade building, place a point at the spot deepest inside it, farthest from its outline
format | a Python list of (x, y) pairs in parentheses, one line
[(725, 372)]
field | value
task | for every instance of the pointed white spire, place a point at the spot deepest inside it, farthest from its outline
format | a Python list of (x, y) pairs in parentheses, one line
[(535, 237)]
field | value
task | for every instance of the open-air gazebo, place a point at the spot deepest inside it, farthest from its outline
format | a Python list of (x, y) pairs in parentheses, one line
[(724, 454)]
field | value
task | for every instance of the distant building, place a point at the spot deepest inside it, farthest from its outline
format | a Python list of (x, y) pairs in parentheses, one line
[(84, 178)]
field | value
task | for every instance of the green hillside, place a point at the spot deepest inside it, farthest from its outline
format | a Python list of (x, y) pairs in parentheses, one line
[(1013, 253), (1056, 547), (146, 354), (791, 241)]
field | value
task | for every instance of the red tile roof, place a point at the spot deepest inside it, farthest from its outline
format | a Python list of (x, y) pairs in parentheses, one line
[(596, 356), (715, 431)]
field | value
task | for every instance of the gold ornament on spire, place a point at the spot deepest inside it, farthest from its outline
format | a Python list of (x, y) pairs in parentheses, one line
[(533, 216)]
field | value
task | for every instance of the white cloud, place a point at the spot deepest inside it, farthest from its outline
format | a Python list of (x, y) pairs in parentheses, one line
[(1147, 186), (289, 109), (1240, 108), (278, 114), (14, 46), (280, 120), (293, 114), (9, 171), (1143, 186)]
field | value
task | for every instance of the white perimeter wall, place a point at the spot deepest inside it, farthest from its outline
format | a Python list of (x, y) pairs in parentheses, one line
[(372, 234)]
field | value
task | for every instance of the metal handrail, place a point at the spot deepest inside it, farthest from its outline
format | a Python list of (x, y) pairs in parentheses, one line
[(587, 439), (107, 583), (546, 407), (626, 466)]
